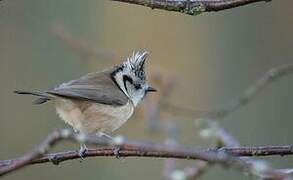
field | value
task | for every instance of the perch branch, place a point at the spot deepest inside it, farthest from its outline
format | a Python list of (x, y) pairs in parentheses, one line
[(259, 151), (140, 149), (191, 7)]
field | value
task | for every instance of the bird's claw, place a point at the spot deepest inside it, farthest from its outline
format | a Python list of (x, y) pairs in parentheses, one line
[(117, 151), (82, 151), (116, 147)]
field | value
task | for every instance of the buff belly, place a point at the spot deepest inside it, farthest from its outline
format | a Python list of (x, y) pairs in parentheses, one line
[(89, 117)]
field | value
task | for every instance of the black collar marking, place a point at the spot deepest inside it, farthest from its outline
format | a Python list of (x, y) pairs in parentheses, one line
[(127, 78), (113, 74)]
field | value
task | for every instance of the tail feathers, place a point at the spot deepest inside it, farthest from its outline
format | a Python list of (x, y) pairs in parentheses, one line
[(43, 97), (40, 100)]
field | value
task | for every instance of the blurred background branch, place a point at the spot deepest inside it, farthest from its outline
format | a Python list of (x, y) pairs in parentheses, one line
[(79, 46), (191, 7), (240, 101), (270, 76), (222, 137)]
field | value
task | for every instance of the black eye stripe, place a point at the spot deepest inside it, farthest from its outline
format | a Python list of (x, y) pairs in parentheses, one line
[(137, 86), (127, 78)]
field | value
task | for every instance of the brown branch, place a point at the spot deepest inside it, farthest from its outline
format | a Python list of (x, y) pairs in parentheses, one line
[(191, 7), (259, 151), (167, 152), (9, 166), (139, 149)]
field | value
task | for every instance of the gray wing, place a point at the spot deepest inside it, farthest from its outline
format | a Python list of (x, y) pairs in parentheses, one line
[(98, 87)]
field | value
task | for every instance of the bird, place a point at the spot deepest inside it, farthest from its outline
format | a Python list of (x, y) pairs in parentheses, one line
[(99, 102)]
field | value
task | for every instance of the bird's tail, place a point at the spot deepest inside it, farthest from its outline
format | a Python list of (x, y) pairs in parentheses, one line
[(43, 97)]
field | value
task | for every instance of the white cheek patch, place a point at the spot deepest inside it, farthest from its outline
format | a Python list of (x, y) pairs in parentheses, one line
[(137, 98)]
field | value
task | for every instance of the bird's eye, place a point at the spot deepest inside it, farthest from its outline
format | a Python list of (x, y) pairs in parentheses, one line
[(140, 73), (137, 86)]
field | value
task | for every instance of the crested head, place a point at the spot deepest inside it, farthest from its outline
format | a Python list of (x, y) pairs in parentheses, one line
[(131, 79), (135, 63)]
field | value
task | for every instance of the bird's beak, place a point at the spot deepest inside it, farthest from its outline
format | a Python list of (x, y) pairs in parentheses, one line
[(150, 89)]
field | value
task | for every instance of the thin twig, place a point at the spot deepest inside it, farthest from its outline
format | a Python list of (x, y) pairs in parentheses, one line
[(38, 151), (197, 170), (172, 139), (286, 171), (224, 139), (80, 46), (165, 83), (191, 7), (243, 99), (251, 92)]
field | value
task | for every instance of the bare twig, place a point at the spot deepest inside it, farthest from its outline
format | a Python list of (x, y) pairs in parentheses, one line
[(165, 83), (246, 97), (39, 150), (224, 139), (80, 46), (172, 139), (230, 143), (285, 171), (197, 170), (152, 109), (251, 92), (135, 148), (191, 7)]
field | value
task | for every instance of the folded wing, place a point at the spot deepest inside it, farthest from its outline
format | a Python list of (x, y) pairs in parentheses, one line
[(98, 87)]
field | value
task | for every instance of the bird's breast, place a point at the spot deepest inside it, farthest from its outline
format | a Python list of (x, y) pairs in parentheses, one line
[(91, 117)]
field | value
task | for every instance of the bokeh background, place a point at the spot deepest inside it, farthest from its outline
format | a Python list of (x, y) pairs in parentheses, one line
[(213, 56)]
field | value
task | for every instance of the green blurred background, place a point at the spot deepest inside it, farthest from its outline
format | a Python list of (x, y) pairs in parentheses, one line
[(215, 56)]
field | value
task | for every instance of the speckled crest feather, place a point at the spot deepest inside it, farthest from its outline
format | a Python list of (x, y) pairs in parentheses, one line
[(135, 63)]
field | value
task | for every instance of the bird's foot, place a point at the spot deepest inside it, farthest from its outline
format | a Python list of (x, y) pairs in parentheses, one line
[(82, 151), (117, 148), (117, 151)]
